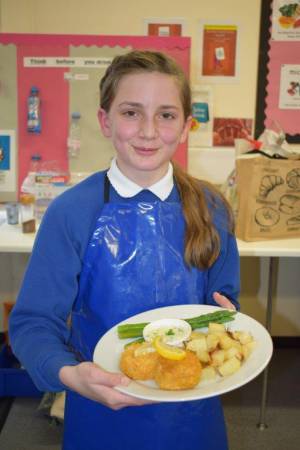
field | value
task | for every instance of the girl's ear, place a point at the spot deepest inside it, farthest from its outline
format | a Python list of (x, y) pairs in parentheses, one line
[(186, 129), (104, 122)]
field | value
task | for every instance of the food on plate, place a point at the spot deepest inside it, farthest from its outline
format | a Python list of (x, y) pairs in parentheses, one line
[(168, 351), (176, 375), (220, 351), (139, 361), (135, 330), (172, 331), (199, 356), (230, 366)]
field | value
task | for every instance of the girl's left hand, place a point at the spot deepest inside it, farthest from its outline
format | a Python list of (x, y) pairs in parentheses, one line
[(223, 301)]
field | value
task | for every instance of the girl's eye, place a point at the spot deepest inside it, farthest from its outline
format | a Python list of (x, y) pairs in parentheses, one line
[(130, 113), (168, 116)]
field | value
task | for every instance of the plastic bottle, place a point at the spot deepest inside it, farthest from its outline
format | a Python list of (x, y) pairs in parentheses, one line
[(28, 185), (34, 111), (74, 138), (12, 213)]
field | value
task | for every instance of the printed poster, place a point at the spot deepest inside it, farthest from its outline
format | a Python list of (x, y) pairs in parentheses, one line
[(8, 176), (201, 130), (4, 152), (226, 130), (219, 51), (289, 95), (163, 27), (286, 20)]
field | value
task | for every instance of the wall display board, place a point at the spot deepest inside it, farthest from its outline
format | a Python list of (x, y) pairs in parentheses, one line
[(66, 70), (278, 94)]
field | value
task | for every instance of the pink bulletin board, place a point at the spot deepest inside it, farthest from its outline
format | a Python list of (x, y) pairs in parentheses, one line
[(55, 91), (278, 53)]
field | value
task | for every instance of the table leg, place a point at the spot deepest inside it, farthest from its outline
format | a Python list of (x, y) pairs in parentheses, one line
[(262, 422)]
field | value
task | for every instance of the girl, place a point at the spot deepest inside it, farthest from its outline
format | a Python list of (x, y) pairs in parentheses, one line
[(139, 236)]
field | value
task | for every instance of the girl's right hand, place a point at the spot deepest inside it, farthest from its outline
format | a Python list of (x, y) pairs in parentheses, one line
[(89, 380)]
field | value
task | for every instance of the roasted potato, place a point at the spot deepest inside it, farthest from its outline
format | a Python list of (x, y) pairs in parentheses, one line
[(229, 367), (221, 351)]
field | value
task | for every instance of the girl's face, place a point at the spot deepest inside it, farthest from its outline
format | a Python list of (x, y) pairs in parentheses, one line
[(145, 124)]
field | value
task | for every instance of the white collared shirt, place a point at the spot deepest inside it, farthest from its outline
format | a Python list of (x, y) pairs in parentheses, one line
[(127, 188)]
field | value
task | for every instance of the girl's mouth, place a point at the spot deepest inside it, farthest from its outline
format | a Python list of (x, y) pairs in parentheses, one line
[(145, 150)]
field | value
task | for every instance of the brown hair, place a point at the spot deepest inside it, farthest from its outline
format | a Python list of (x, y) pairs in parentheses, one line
[(199, 198), (143, 61)]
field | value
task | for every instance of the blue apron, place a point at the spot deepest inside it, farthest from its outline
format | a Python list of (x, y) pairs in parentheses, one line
[(133, 263)]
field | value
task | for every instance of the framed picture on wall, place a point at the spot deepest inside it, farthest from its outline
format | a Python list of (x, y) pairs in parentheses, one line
[(218, 52), (164, 27)]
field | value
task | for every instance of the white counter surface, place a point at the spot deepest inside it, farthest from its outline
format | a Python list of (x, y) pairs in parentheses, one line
[(280, 247), (12, 240)]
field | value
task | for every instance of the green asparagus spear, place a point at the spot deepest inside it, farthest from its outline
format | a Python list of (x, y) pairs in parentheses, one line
[(135, 330)]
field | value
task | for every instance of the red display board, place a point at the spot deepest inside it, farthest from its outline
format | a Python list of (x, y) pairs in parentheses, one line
[(55, 91)]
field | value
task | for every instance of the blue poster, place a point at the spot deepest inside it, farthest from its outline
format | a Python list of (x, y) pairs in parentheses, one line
[(4, 152), (200, 112)]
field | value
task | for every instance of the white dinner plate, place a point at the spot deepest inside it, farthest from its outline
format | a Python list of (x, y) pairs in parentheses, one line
[(109, 348)]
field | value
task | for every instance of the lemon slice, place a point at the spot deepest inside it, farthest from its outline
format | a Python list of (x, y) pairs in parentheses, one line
[(168, 351)]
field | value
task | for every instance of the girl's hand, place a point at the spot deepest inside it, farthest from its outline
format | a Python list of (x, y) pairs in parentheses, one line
[(89, 380), (223, 301)]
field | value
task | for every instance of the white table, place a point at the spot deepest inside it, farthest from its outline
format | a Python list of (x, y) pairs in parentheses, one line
[(275, 248), (272, 249), (12, 240)]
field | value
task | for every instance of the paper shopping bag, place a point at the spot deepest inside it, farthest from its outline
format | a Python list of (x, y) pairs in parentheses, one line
[(268, 191)]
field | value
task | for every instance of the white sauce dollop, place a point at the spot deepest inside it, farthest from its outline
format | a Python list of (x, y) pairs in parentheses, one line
[(173, 331)]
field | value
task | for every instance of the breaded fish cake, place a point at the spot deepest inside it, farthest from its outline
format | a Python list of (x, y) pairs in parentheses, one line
[(176, 375), (138, 365)]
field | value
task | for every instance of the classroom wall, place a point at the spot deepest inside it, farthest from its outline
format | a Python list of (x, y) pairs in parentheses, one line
[(238, 99), (95, 17)]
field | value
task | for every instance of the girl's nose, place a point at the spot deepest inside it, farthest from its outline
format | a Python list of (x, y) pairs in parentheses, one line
[(148, 128)]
